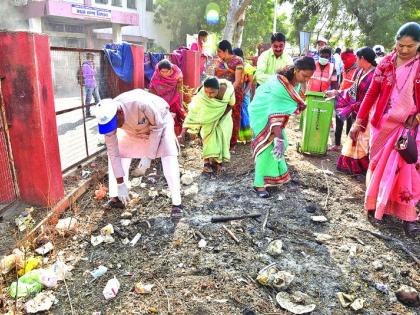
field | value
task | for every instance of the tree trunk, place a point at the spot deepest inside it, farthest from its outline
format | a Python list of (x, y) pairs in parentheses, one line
[(236, 11), (239, 30)]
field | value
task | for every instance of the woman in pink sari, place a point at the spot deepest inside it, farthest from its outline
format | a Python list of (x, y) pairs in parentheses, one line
[(166, 82), (391, 105)]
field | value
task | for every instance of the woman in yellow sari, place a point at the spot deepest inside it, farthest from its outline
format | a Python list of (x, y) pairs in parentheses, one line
[(210, 115)]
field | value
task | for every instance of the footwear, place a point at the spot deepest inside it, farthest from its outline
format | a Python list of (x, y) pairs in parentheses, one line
[(176, 211), (411, 229), (207, 168), (334, 148), (370, 214), (219, 169), (261, 193), (114, 204), (360, 178)]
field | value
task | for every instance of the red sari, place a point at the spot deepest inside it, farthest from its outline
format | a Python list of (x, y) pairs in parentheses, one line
[(226, 70), (167, 88)]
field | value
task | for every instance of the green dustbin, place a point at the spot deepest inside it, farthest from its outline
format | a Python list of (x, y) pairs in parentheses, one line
[(316, 123)]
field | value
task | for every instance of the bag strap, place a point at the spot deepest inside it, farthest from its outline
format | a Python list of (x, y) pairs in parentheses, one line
[(417, 87)]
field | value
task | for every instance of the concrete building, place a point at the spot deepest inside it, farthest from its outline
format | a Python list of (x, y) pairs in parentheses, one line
[(91, 23)]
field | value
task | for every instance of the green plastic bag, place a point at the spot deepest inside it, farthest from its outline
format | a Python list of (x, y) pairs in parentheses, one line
[(29, 283)]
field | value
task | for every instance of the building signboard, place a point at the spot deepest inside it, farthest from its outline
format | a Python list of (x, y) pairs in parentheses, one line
[(98, 13)]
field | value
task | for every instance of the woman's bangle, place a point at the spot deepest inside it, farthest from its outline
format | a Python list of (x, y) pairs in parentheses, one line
[(418, 118), (359, 125)]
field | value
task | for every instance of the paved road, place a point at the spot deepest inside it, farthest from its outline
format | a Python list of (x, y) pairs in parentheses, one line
[(71, 135)]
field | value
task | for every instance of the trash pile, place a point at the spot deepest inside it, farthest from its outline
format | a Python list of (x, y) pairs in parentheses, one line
[(35, 279), (231, 253)]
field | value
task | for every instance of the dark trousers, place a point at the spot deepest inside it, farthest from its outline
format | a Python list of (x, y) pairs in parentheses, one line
[(339, 125)]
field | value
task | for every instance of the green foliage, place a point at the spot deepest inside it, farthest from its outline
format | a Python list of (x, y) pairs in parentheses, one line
[(354, 22), (377, 20), (187, 17), (258, 25)]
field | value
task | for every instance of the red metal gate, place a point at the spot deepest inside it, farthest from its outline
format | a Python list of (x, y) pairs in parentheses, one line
[(7, 182)]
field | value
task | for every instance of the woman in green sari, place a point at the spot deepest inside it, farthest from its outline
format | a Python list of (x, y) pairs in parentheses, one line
[(269, 112), (210, 115)]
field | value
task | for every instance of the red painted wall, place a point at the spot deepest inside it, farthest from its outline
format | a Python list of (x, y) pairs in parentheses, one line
[(28, 94), (138, 73), (116, 86), (191, 68)]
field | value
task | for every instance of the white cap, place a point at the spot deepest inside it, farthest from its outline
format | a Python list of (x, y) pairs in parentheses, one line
[(322, 39), (379, 49), (106, 114)]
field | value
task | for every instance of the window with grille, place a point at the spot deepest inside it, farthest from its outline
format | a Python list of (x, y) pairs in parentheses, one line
[(55, 27), (74, 28), (149, 5), (131, 4), (117, 3), (101, 1)]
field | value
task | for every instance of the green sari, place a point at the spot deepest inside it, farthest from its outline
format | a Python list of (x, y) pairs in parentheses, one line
[(273, 103), (205, 116)]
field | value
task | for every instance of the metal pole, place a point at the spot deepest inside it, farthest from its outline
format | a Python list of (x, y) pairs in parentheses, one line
[(83, 109), (275, 17)]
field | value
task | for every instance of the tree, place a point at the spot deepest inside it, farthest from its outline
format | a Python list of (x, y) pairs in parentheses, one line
[(235, 21), (354, 22), (181, 21), (379, 21), (258, 25)]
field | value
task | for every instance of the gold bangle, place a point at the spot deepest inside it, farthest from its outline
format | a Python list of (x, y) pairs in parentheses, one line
[(418, 118)]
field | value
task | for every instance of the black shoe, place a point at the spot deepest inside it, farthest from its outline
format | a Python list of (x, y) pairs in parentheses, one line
[(176, 212), (411, 229), (261, 193), (111, 204)]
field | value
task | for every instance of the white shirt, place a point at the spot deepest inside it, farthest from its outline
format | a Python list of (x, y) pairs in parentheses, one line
[(339, 65)]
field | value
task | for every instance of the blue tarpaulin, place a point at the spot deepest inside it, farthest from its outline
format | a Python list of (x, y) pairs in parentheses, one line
[(150, 62), (121, 59)]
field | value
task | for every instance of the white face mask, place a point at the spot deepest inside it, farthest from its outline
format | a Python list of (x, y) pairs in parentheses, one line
[(323, 61)]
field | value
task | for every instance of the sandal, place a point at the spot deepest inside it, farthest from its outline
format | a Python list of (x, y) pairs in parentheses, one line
[(261, 193), (114, 204), (207, 168), (370, 214), (334, 148), (219, 169), (176, 211), (411, 229)]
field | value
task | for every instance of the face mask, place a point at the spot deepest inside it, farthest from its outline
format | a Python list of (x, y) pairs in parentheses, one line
[(323, 61)]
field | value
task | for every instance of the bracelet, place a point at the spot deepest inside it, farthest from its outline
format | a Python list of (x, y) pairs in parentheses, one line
[(359, 125), (418, 118)]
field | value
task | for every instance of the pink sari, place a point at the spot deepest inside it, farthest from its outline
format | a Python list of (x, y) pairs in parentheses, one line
[(167, 88), (393, 186)]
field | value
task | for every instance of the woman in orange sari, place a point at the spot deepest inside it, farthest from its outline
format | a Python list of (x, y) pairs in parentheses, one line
[(230, 67), (392, 107)]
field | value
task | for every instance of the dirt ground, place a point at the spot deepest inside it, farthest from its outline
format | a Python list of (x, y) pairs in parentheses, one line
[(221, 277)]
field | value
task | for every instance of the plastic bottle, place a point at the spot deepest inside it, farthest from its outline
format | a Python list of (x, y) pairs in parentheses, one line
[(111, 289)]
